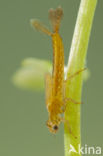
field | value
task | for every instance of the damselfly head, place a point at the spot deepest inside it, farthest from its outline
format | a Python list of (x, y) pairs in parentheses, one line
[(53, 126)]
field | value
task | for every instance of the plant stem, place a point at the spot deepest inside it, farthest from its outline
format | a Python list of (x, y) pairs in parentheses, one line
[(76, 62)]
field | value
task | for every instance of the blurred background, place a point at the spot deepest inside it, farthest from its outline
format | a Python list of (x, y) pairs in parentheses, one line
[(22, 113)]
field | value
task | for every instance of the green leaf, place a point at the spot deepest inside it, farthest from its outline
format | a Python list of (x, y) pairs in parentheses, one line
[(76, 62), (31, 74)]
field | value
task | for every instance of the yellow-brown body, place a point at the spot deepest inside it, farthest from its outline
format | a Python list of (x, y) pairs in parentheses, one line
[(58, 66), (55, 102), (55, 83)]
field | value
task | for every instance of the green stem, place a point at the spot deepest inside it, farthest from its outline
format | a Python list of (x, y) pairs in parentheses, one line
[(76, 62)]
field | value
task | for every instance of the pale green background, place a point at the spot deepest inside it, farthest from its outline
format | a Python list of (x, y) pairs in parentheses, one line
[(23, 113)]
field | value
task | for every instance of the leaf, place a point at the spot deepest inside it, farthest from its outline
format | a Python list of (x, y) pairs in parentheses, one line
[(31, 74)]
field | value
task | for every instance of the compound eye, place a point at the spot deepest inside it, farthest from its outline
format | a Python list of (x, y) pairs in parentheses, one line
[(55, 127)]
